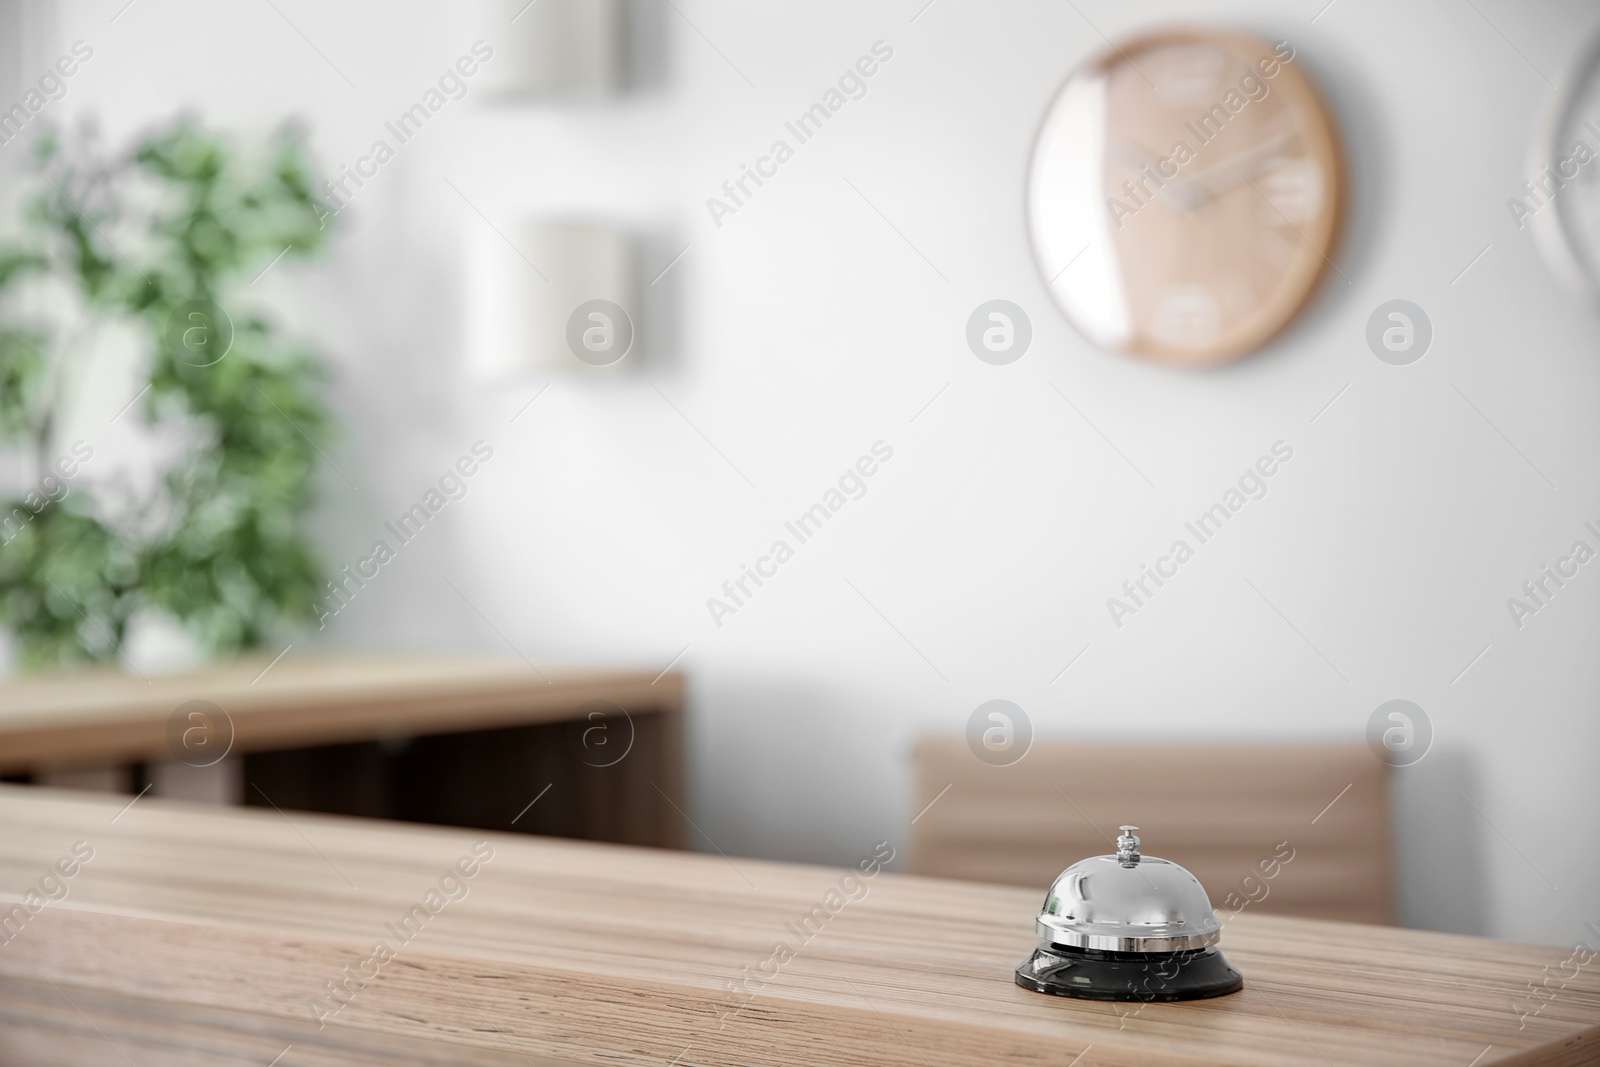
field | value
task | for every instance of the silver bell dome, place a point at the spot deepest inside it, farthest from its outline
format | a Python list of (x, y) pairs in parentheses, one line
[(1128, 903)]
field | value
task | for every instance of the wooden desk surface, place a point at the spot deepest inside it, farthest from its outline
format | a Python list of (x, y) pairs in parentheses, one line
[(104, 716), (204, 936)]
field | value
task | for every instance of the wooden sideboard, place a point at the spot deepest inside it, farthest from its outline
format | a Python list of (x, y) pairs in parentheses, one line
[(460, 740), (202, 935)]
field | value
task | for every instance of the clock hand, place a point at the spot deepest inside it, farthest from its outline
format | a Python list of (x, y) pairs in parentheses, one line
[(1131, 154), (1217, 179)]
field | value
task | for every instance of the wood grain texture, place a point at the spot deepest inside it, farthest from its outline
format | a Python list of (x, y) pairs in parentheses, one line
[(202, 935), (93, 718), (1217, 809)]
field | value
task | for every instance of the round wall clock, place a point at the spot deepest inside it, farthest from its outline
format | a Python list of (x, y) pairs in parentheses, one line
[(1185, 195), (1561, 202)]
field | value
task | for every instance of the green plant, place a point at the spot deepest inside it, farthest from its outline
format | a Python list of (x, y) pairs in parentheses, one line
[(162, 241)]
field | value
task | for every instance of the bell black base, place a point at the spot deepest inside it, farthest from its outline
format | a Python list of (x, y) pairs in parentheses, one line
[(1089, 974)]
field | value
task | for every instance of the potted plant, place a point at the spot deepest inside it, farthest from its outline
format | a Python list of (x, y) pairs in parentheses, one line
[(159, 243)]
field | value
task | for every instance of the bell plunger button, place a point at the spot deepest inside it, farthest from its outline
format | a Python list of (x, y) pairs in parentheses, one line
[(1127, 846)]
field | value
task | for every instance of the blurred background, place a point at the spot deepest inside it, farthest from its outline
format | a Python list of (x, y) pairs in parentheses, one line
[(774, 341)]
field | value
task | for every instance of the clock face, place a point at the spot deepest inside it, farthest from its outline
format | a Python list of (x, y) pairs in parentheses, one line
[(1184, 195), (1562, 200)]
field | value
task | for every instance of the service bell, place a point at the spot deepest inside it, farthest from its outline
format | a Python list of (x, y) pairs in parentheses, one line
[(1128, 927)]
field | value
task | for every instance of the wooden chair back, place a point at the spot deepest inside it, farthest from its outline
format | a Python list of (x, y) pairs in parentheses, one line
[(1230, 813)]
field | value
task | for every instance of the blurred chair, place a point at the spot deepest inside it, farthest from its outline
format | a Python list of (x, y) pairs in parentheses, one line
[(1221, 810)]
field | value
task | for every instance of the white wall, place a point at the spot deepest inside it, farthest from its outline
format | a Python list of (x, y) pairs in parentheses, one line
[(805, 329)]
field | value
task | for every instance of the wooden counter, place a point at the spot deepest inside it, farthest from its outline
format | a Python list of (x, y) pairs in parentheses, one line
[(457, 740), (81, 718), (207, 936)]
